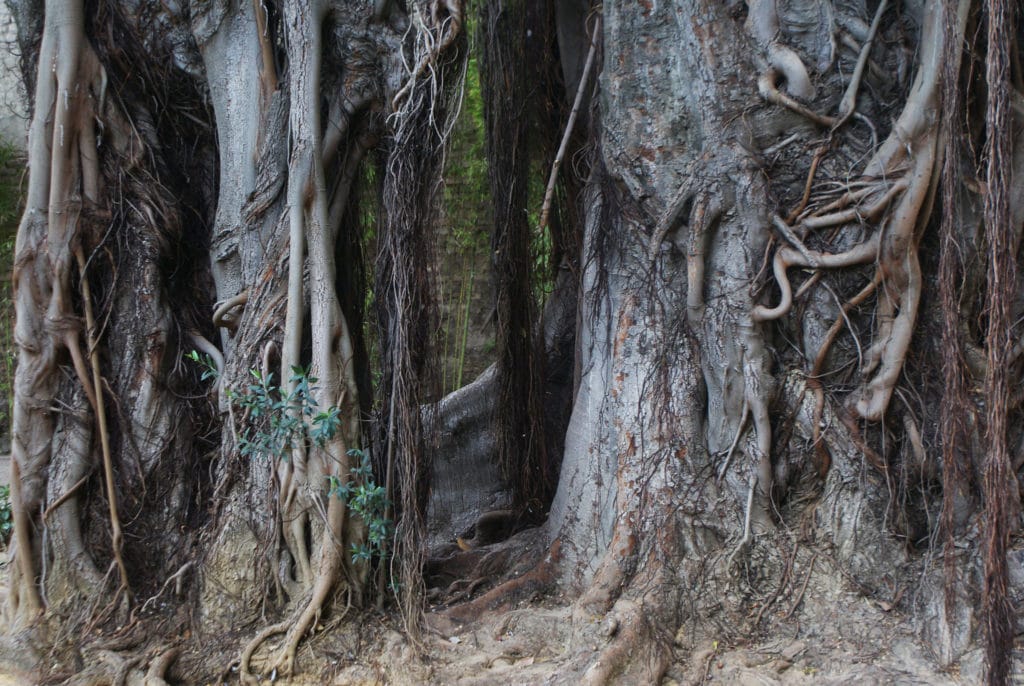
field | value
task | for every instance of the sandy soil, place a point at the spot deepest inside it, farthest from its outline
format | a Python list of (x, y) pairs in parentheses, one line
[(834, 635), (821, 630)]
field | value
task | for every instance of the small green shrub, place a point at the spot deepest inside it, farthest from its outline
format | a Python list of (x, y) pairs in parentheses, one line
[(283, 420), (6, 516), (368, 500), (291, 419)]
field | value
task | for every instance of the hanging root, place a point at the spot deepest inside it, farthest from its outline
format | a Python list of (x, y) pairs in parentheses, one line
[(101, 416), (581, 90), (449, 26)]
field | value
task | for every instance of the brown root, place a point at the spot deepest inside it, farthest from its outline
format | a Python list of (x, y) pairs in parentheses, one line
[(638, 653), (537, 581), (159, 665)]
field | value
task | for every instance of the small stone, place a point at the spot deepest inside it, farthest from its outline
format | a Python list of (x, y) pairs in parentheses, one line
[(793, 649)]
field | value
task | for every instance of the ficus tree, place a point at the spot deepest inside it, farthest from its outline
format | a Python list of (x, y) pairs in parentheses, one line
[(783, 246)]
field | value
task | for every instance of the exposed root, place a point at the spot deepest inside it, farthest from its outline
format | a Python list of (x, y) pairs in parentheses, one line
[(158, 667), (244, 675), (535, 582), (638, 653)]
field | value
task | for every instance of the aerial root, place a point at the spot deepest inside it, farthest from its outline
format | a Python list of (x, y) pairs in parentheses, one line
[(834, 215), (848, 105), (747, 538), (786, 257), (767, 87), (785, 65), (204, 346), (450, 28), (814, 378), (581, 89), (819, 155), (223, 315), (101, 419)]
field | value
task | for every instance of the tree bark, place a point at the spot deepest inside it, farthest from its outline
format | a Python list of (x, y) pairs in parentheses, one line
[(750, 210)]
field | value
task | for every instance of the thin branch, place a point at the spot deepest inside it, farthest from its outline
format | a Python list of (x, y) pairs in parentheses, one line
[(580, 90)]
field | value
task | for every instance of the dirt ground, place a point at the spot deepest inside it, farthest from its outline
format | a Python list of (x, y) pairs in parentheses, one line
[(825, 632), (821, 630)]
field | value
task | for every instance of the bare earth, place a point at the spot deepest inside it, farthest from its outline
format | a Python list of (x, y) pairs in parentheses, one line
[(821, 632), (834, 635)]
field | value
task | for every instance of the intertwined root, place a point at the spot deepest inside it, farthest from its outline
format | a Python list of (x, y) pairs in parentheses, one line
[(64, 180), (294, 628), (892, 197)]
